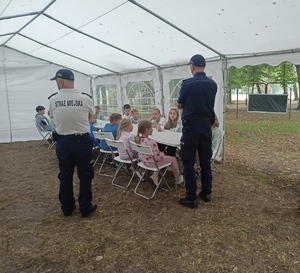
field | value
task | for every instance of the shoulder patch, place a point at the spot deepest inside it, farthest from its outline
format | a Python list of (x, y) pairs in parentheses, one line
[(52, 95), (86, 94)]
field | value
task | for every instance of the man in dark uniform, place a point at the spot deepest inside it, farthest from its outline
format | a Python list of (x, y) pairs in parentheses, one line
[(197, 99), (70, 109)]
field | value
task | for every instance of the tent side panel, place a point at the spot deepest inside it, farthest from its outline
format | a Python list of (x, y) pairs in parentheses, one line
[(27, 84)]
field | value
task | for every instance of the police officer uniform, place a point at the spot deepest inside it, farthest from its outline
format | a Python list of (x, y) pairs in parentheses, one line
[(197, 97), (70, 109)]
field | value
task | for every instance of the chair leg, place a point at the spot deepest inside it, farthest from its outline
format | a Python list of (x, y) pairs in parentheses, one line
[(96, 159), (214, 167), (120, 165), (162, 179), (102, 164)]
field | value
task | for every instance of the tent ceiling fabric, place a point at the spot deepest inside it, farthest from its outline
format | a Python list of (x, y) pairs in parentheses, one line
[(107, 37)]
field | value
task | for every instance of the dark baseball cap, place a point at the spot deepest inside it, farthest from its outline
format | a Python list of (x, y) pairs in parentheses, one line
[(198, 60), (64, 74)]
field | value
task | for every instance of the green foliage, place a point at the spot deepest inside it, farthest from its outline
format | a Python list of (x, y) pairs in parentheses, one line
[(284, 74)]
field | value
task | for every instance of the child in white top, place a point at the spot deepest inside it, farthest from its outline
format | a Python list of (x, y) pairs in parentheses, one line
[(126, 111), (157, 120), (135, 116), (144, 131)]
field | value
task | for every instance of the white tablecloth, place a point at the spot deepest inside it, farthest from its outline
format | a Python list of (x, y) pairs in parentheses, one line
[(100, 124), (165, 137)]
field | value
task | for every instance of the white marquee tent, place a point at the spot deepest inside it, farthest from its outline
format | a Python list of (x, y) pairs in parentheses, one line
[(117, 43)]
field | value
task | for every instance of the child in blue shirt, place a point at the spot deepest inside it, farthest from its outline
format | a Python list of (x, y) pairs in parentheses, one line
[(92, 121), (112, 126)]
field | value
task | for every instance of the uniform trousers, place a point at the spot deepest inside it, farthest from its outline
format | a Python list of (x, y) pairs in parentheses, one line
[(196, 136), (71, 151)]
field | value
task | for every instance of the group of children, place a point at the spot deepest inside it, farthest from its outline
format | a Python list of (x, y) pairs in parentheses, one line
[(122, 126)]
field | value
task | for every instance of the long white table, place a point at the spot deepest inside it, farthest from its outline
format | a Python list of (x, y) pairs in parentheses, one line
[(100, 123), (165, 137)]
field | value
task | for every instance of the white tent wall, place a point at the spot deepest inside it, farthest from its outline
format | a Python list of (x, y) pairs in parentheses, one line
[(99, 82), (151, 75), (25, 83), (162, 93), (213, 70)]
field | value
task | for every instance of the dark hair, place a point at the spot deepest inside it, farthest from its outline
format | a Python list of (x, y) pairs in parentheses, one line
[(126, 106), (39, 108)]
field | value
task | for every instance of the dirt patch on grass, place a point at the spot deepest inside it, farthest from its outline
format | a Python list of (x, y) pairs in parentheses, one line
[(251, 225)]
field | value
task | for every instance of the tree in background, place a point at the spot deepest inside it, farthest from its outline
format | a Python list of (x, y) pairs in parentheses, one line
[(251, 76)]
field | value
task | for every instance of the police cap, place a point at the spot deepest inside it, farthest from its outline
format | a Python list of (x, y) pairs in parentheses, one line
[(64, 74), (198, 60)]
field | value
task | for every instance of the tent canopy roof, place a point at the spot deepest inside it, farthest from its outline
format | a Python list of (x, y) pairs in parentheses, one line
[(117, 36)]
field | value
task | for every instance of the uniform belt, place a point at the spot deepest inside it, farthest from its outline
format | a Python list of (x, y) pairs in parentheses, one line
[(73, 135), (189, 121)]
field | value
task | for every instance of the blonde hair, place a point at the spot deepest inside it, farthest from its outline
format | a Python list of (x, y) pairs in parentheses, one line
[(172, 124), (125, 122), (134, 111), (142, 127)]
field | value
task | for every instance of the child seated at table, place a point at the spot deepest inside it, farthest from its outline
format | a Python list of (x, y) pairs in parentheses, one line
[(156, 119), (92, 121), (112, 126), (41, 121), (174, 123), (135, 116), (125, 135), (126, 111), (144, 131), (99, 114)]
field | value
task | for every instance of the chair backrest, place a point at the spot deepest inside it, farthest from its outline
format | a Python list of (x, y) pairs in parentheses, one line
[(218, 146), (115, 143), (41, 130), (103, 135), (143, 149)]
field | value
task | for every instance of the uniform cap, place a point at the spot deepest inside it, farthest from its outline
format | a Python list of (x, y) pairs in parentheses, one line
[(64, 74), (198, 60)]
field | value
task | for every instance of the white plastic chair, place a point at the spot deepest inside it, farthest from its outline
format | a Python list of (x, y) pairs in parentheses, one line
[(46, 136), (120, 162), (102, 136), (143, 149), (216, 153)]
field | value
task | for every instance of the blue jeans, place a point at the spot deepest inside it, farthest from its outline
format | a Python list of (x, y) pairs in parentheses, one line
[(196, 136)]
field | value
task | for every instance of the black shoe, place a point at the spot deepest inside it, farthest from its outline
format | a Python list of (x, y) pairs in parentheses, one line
[(90, 211), (189, 203), (69, 213), (205, 197)]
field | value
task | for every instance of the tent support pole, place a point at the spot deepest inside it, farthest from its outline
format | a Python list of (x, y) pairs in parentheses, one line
[(224, 68), (161, 83)]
